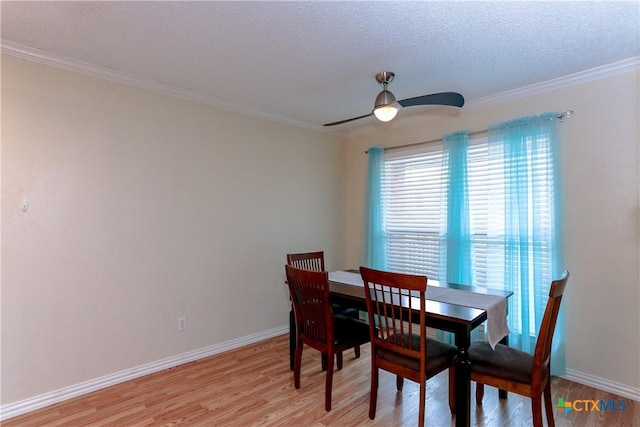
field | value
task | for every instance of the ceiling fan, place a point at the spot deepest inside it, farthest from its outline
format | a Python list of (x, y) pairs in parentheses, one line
[(385, 108)]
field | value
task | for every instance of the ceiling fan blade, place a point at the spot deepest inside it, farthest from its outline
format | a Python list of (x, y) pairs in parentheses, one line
[(348, 120), (443, 98)]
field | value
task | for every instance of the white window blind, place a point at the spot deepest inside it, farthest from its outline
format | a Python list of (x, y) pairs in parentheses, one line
[(412, 195)]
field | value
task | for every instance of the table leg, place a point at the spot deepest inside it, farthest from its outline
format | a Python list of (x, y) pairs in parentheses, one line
[(502, 394), (292, 339), (463, 381)]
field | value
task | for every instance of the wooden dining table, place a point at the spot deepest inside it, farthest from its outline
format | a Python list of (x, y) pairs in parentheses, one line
[(457, 319)]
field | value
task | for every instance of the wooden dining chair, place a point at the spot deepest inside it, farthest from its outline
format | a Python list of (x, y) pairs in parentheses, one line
[(399, 342), (513, 370), (314, 261), (317, 326)]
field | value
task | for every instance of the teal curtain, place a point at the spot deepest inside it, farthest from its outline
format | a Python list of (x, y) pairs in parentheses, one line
[(457, 247), (455, 236), (525, 217), (376, 254)]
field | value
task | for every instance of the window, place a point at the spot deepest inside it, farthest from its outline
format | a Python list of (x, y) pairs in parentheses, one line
[(414, 200), (484, 212), (414, 195)]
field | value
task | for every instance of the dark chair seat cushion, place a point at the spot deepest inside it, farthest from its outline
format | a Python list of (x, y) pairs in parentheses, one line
[(350, 330), (345, 311), (439, 355), (503, 362)]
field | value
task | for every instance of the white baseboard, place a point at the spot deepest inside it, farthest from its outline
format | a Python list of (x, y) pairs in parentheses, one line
[(603, 384), (11, 410)]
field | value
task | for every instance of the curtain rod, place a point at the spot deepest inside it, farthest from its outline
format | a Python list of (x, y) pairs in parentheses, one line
[(563, 115)]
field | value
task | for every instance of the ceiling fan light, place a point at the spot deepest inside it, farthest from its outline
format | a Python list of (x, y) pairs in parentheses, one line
[(385, 113)]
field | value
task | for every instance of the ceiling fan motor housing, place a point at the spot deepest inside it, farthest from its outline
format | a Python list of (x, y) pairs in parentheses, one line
[(384, 98)]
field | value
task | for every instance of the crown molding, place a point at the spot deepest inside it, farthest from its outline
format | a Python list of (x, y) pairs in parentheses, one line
[(592, 74), (81, 67), (36, 55)]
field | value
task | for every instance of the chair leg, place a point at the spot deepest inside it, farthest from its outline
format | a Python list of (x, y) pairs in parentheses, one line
[(356, 351), (536, 410), (373, 396), (329, 384), (422, 403), (399, 382), (323, 360), (547, 404), (479, 393), (339, 357), (452, 389), (297, 364)]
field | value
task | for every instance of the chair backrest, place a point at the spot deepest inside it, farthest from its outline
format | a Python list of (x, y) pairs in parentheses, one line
[(310, 296), (542, 354), (307, 261), (391, 298)]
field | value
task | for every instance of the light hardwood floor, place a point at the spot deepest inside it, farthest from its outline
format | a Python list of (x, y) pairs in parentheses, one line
[(254, 386)]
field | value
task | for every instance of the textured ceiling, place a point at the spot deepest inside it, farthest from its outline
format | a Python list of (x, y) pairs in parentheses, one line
[(310, 63)]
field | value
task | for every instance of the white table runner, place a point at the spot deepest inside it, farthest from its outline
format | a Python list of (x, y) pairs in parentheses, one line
[(495, 306)]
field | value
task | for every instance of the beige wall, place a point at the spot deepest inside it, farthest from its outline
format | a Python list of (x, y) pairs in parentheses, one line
[(144, 208), (600, 164)]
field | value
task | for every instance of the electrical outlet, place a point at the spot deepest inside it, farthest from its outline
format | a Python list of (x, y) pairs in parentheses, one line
[(182, 323)]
